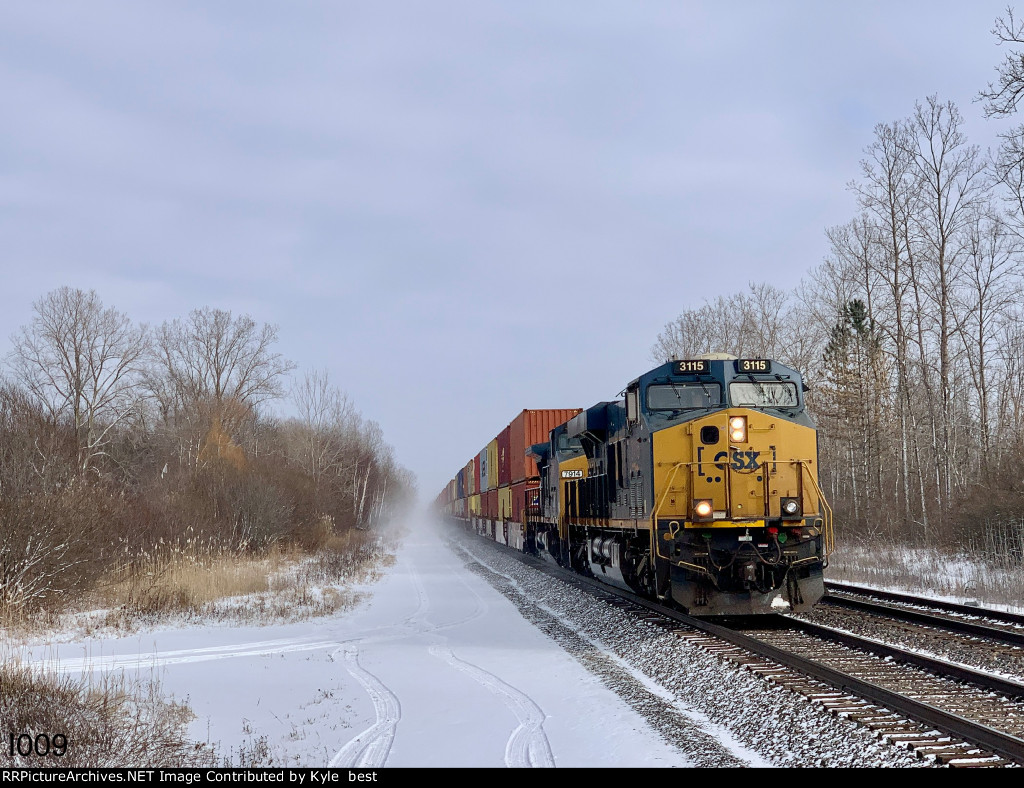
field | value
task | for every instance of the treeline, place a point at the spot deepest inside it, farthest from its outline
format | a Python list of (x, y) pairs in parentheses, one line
[(910, 333), (121, 441)]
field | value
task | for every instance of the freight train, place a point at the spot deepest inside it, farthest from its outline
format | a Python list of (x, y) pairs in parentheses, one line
[(699, 487)]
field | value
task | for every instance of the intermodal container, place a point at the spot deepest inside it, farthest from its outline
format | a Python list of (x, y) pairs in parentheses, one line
[(505, 503), (470, 480), (504, 459), (528, 428), (482, 462), (461, 484), (490, 507), (492, 464)]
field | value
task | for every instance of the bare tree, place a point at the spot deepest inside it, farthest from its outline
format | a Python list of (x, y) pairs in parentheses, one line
[(1002, 97), (211, 372), (214, 356), (992, 287), (755, 323), (325, 413), (694, 332), (82, 362), (36, 454), (1008, 172), (1001, 100), (369, 457), (952, 185), (889, 193), (1010, 387)]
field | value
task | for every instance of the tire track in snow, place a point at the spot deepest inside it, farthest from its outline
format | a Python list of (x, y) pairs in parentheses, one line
[(528, 745), (392, 631), (184, 656), (370, 749)]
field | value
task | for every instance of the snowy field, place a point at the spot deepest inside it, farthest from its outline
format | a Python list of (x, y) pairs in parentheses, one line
[(446, 665), (962, 579)]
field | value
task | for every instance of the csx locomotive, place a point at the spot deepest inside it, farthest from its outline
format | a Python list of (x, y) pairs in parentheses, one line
[(699, 488)]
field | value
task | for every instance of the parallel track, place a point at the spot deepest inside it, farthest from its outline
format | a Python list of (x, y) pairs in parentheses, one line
[(995, 625), (908, 599), (940, 721)]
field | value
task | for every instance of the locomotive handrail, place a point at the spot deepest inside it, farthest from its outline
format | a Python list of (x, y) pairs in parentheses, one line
[(826, 510), (655, 546)]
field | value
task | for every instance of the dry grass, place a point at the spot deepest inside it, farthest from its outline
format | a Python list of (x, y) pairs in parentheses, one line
[(984, 580), (194, 582), (182, 581), (110, 723)]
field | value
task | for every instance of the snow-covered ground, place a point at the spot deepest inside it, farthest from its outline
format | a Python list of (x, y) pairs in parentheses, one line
[(963, 579), (447, 664)]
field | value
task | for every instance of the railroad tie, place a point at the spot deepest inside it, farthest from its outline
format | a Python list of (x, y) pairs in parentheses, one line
[(840, 705), (988, 763), (970, 757), (950, 752), (874, 715)]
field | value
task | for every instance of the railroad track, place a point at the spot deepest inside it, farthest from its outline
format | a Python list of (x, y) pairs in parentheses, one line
[(954, 715), (979, 639), (996, 625)]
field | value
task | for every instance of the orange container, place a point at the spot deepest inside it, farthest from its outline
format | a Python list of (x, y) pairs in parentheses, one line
[(504, 458), (526, 429)]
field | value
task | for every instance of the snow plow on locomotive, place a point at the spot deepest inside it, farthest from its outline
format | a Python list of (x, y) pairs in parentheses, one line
[(699, 487)]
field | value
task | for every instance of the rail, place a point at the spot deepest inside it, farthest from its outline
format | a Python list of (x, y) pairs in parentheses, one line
[(1007, 636), (949, 723), (909, 599)]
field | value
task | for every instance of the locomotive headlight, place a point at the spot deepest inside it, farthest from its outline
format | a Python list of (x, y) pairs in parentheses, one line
[(790, 507), (738, 429), (703, 509)]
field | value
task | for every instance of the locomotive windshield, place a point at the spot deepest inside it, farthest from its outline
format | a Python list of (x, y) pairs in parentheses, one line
[(679, 396), (756, 394)]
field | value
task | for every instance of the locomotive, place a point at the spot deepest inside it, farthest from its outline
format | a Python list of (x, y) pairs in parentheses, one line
[(698, 488)]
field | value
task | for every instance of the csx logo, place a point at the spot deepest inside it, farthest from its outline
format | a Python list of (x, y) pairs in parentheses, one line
[(740, 460)]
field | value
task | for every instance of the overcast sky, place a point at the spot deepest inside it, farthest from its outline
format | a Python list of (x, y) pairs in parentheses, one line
[(458, 209)]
